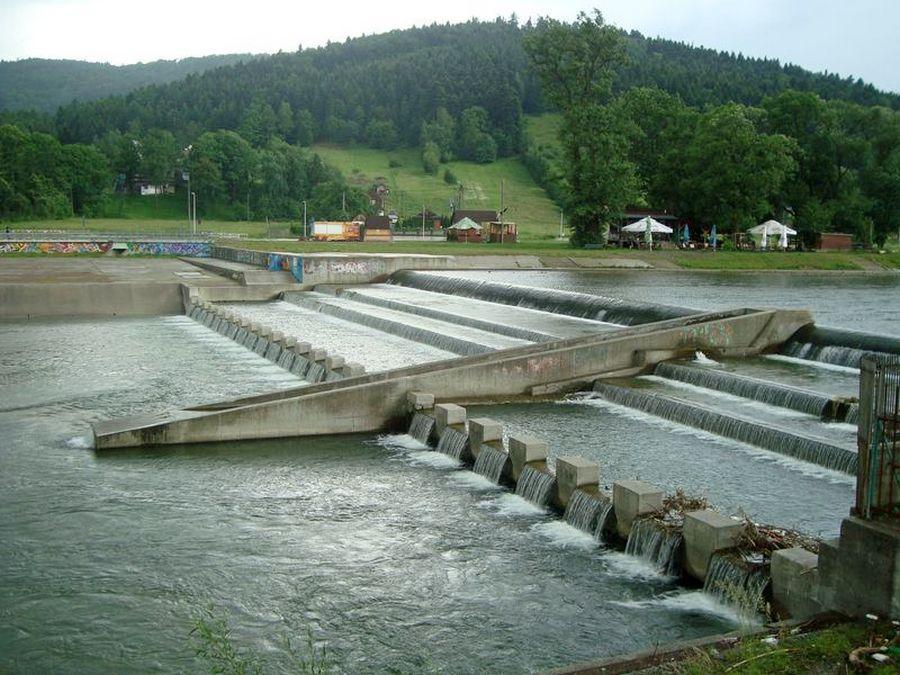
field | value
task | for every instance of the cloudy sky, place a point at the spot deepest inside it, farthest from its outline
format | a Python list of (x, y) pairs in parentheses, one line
[(850, 37)]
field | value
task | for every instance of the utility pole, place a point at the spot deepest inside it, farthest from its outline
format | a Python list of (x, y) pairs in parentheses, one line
[(304, 219), (344, 202), (423, 222), (501, 210), (193, 196)]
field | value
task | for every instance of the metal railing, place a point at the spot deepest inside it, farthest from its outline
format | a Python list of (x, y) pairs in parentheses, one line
[(878, 480)]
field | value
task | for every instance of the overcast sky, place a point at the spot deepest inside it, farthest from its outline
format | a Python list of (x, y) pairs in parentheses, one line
[(850, 37)]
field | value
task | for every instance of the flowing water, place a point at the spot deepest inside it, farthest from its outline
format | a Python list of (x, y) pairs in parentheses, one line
[(583, 510), (735, 581), (421, 427), (535, 486), (657, 544), (453, 443), (490, 463), (107, 558)]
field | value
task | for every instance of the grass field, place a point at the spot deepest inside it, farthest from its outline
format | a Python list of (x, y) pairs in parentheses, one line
[(672, 259), (542, 129), (535, 214)]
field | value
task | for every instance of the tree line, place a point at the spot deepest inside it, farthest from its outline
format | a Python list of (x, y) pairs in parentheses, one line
[(822, 165)]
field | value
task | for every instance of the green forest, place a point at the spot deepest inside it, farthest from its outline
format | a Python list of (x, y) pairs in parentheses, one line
[(717, 138)]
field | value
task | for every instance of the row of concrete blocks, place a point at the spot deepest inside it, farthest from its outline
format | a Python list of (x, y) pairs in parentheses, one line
[(332, 366), (705, 532)]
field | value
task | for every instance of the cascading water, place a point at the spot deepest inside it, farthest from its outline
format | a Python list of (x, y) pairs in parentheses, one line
[(262, 344), (286, 359), (230, 330), (315, 373), (655, 543), (273, 351), (839, 347), (780, 395), (737, 428), (250, 341), (421, 427), (736, 582), (602, 525), (583, 510), (300, 366), (453, 443), (852, 416), (585, 306), (535, 486), (490, 463)]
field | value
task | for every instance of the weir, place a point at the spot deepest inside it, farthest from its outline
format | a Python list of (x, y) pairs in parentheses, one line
[(839, 347), (657, 544), (737, 428), (736, 581), (370, 402), (765, 391), (535, 486)]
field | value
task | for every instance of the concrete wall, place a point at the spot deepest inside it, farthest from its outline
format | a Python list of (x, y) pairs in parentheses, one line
[(370, 403), (89, 300), (194, 249)]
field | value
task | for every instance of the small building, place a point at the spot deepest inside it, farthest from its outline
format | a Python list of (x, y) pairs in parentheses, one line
[(502, 233), (378, 228), (834, 241), (335, 230), (432, 220), (481, 217), (465, 230)]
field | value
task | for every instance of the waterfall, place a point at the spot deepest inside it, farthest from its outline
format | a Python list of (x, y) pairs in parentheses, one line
[(599, 308), (314, 373), (839, 347), (217, 323), (491, 462), (852, 414), (655, 543), (453, 443), (407, 329), (333, 376), (230, 330), (195, 312), (737, 428), (535, 486), (736, 582), (250, 341), (262, 344), (300, 366), (583, 510), (421, 427), (606, 510), (772, 393), (208, 319), (286, 359), (273, 351)]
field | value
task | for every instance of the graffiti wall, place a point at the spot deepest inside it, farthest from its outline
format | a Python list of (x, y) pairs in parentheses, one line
[(193, 249), (274, 262)]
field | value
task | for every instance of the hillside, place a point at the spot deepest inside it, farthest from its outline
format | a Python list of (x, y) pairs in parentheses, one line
[(46, 84), (358, 89), (411, 188)]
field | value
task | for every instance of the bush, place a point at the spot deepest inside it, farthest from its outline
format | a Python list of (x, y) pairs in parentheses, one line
[(394, 163), (450, 177), (431, 157)]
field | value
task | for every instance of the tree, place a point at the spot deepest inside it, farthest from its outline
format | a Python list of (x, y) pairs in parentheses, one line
[(575, 64), (381, 134), (474, 140), (441, 132), (259, 124), (89, 177), (431, 157), (159, 155)]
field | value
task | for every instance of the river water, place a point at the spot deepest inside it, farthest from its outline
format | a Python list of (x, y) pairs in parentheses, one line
[(393, 563), (388, 554), (868, 302)]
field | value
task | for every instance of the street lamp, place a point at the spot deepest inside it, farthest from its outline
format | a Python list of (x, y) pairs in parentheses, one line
[(194, 213)]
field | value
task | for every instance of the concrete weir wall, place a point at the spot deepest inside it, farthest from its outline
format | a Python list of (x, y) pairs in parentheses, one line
[(372, 402)]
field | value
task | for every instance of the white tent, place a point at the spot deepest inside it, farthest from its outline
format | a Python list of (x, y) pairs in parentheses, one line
[(771, 228), (641, 226)]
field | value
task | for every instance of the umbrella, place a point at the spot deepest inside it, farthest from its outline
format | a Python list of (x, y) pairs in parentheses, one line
[(648, 233), (771, 227), (712, 237), (686, 234), (641, 226)]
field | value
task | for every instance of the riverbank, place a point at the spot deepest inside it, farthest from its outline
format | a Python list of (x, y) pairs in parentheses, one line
[(561, 255)]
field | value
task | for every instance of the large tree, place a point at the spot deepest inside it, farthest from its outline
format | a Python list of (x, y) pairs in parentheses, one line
[(575, 63)]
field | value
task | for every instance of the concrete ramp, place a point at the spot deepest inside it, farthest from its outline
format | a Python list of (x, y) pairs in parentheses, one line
[(373, 402)]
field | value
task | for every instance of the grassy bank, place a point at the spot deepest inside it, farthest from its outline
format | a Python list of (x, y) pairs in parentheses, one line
[(556, 254), (824, 651)]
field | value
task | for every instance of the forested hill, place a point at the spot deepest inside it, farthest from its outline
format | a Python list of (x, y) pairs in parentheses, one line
[(379, 89), (46, 84)]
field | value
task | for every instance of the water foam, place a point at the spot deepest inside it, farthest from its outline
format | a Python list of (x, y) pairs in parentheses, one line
[(563, 535)]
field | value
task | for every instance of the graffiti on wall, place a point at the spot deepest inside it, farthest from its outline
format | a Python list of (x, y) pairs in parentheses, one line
[(193, 249)]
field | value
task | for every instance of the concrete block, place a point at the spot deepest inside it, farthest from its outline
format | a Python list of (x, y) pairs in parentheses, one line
[(419, 400), (482, 430), (704, 533), (277, 336), (317, 355), (289, 343), (245, 323), (265, 331), (254, 327), (573, 473), (633, 498), (525, 449), (446, 414), (795, 582), (301, 348), (353, 370), (334, 362)]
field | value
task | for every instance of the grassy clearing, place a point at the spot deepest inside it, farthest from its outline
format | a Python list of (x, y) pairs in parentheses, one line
[(543, 129), (825, 651), (689, 260), (535, 214)]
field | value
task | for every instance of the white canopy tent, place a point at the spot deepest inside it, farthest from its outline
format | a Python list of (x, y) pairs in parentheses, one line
[(466, 224), (640, 226), (772, 228)]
